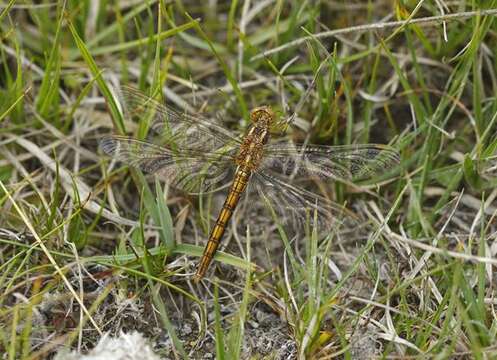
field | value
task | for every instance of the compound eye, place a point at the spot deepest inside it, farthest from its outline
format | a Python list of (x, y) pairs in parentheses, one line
[(255, 116), (262, 112)]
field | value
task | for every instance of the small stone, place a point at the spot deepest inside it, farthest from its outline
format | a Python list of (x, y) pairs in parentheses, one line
[(254, 324), (186, 330)]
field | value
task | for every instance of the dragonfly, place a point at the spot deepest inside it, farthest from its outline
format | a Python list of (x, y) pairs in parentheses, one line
[(201, 156)]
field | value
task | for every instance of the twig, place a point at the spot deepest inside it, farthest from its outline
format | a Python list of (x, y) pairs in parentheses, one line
[(425, 21)]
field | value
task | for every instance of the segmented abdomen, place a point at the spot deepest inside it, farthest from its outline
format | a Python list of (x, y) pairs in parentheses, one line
[(237, 188)]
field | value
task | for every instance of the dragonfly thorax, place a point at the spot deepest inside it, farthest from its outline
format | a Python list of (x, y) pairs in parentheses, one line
[(252, 147)]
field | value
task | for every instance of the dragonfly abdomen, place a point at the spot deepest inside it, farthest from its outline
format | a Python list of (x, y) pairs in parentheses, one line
[(237, 188)]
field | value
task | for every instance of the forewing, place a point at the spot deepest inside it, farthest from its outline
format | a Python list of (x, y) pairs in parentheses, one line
[(177, 128), (189, 170), (346, 163)]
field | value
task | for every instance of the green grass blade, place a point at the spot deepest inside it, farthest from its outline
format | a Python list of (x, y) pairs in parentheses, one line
[(226, 70), (117, 117)]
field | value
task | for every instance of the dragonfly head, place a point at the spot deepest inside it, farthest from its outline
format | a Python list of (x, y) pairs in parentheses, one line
[(262, 114)]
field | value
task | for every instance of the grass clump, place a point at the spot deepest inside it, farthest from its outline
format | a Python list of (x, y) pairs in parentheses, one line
[(89, 246)]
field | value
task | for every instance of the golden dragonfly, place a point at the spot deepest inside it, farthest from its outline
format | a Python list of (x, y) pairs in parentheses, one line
[(200, 156)]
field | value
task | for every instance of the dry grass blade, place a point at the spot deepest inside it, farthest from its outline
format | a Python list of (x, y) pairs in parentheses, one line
[(71, 183), (51, 259), (426, 21)]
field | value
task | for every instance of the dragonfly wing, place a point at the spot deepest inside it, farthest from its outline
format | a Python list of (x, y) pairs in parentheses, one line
[(180, 128), (296, 206), (189, 170), (346, 163)]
